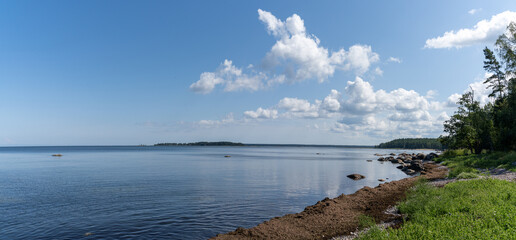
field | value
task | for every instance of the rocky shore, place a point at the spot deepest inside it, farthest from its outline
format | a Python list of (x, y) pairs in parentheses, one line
[(409, 163), (339, 216)]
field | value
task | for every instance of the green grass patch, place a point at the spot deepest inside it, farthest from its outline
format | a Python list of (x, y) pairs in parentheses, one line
[(467, 175), (460, 161), (475, 209)]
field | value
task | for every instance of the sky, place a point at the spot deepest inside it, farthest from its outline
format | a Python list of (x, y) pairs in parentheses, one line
[(286, 72)]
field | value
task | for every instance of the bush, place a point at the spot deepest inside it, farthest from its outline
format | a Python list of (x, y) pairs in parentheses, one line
[(455, 153)]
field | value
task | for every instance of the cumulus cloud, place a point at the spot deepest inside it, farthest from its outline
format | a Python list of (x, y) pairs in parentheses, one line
[(299, 108), (296, 55), (261, 113), (362, 99), (395, 60), (483, 32), (480, 93), (361, 109), (232, 77), (302, 57)]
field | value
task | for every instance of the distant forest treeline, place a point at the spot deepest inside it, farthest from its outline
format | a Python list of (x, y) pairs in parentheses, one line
[(413, 143), (201, 144)]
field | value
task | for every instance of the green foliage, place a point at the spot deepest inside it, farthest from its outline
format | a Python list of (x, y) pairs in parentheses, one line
[(453, 153), (412, 143), (475, 209), (365, 221), (493, 126)]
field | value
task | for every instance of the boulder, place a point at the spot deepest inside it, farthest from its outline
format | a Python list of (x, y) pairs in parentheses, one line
[(381, 159), (356, 176), (420, 156), (381, 180), (430, 156), (416, 166)]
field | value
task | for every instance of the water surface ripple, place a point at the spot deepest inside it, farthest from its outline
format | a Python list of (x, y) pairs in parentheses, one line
[(169, 192)]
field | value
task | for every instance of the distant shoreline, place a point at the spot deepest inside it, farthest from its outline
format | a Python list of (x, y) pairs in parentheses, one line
[(243, 145)]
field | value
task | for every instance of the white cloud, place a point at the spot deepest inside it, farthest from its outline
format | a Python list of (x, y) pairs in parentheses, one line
[(262, 114), (302, 57), (331, 103), (393, 59), (299, 108), (443, 116), (475, 10), (362, 110), (483, 32), (378, 71), (296, 56), (480, 94), (232, 77), (360, 57), (209, 123), (207, 83), (453, 99), (431, 94)]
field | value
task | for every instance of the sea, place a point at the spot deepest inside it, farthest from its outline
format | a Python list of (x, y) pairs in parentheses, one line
[(171, 192)]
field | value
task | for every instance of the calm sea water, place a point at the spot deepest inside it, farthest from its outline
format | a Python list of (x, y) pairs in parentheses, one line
[(169, 192)]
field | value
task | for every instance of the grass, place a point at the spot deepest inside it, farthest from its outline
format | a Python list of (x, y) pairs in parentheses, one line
[(467, 175), (365, 221), (461, 161), (475, 209)]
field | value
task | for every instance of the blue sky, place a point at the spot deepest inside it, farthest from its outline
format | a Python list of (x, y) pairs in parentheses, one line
[(319, 72)]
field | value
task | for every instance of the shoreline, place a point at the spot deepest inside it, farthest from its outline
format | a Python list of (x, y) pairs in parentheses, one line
[(338, 216)]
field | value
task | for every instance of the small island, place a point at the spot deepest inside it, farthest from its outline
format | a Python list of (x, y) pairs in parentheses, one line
[(222, 143)]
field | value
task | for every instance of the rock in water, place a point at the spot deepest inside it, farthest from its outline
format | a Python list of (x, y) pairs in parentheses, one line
[(381, 180), (356, 176), (430, 156)]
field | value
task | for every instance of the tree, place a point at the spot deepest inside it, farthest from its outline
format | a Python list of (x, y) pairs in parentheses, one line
[(492, 126), (497, 80)]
